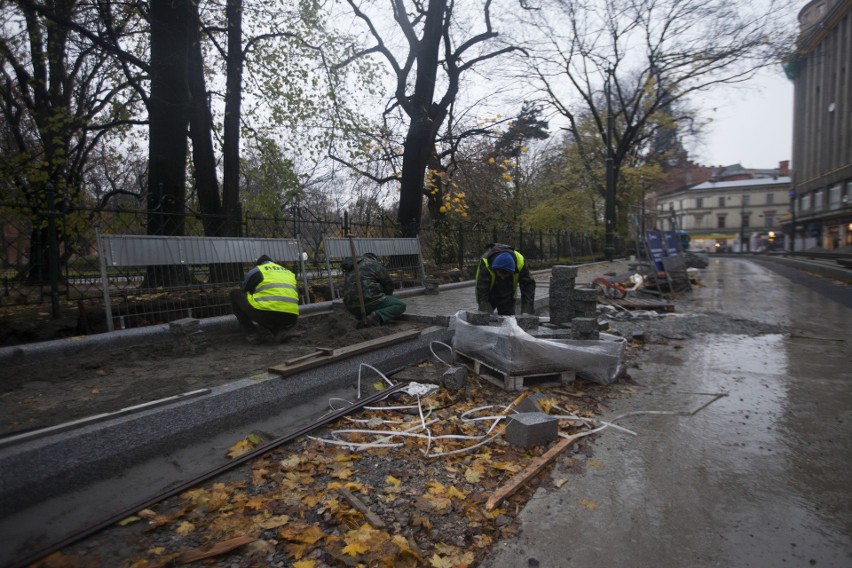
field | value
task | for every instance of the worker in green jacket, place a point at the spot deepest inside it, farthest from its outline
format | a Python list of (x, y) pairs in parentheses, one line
[(267, 301), (501, 272), (377, 287)]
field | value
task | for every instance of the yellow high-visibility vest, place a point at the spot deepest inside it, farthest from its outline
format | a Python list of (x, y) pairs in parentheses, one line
[(277, 292)]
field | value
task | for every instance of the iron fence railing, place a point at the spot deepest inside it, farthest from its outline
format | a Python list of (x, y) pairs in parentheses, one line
[(50, 258)]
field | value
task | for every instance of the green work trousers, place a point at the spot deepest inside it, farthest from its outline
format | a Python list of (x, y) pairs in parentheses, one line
[(388, 309)]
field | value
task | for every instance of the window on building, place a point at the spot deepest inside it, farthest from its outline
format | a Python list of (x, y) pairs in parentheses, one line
[(699, 221), (746, 219), (805, 202), (746, 199), (770, 198), (818, 200), (680, 204), (770, 220), (722, 201), (720, 222), (834, 196), (699, 202)]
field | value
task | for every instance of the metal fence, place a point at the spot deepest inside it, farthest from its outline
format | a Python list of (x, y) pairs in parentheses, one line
[(49, 259)]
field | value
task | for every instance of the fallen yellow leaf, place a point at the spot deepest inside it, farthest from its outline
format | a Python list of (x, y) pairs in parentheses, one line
[(129, 521), (355, 548), (185, 528)]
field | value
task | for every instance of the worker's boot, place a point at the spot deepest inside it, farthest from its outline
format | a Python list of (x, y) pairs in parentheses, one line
[(374, 319), (370, 321)]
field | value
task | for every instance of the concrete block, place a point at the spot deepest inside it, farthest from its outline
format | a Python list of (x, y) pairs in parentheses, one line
[(527, 322), (430, 286), (586, 325), (532, 403), (585, 294), (454, 378), (560, 272), (530, 429), (561, 299), (478, 318)]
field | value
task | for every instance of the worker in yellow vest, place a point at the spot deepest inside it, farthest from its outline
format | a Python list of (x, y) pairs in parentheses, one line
[(267, 303), (502, 270)]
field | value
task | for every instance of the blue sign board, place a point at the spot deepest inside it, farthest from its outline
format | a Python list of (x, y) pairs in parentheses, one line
[(672, 243), (655, 248)]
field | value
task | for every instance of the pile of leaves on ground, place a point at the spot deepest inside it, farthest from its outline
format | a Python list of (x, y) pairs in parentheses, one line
[(329, 499)]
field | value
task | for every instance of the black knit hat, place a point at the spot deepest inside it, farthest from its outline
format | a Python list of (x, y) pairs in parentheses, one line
[(263, 260)]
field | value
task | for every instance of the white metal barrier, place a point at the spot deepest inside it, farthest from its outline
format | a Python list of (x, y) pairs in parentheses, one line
[(147, 250), (384, 248)]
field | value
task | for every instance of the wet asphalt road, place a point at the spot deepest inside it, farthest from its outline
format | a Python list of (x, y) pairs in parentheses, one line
[(758, 478)]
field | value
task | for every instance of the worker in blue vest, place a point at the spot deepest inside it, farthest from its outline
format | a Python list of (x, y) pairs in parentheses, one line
[(501, 272), (267, 302)]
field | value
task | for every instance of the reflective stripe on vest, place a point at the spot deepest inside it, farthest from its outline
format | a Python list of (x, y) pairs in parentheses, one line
[(519, 264), (277, 291)]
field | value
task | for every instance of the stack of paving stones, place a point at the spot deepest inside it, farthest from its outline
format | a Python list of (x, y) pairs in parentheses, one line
[(563, 279), (585, 302), (188, 339)]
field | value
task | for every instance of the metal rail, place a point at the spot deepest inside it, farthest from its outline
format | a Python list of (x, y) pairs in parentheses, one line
[(148, 502)]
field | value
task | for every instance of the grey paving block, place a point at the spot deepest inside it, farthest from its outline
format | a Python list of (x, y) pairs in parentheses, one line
[(529, 429), (454, 378), (586, 325), (560, 272), (478, 318), (527, 322), (532, 403)]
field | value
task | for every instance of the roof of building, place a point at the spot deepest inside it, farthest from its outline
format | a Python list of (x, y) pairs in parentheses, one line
[(780, 180)]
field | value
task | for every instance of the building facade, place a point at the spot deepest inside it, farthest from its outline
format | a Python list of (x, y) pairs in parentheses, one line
[(731, 215), (822, 127)]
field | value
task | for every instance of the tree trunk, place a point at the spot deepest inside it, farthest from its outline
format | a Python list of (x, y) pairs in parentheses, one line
[(200, 125), (167, 114), (168, 107), (426, 117), (233, 98)]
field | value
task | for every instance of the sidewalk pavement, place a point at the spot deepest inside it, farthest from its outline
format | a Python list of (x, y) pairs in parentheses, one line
[(757, 478), (452, 298)]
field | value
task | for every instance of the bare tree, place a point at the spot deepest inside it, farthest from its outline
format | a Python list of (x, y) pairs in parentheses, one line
[(62, 101), (436, 43), (653, 56)]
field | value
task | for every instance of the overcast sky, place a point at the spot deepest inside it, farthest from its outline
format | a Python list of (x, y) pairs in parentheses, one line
[(752, 125)]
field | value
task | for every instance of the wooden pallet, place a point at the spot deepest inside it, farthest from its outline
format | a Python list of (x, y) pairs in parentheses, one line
[(514, 381), (640, 304)]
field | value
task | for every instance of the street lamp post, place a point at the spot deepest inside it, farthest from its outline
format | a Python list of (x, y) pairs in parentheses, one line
[(742, 223)]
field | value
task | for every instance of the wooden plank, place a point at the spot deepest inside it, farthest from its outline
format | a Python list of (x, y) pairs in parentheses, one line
[(529, 472), (284, 370), (371, 517)]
